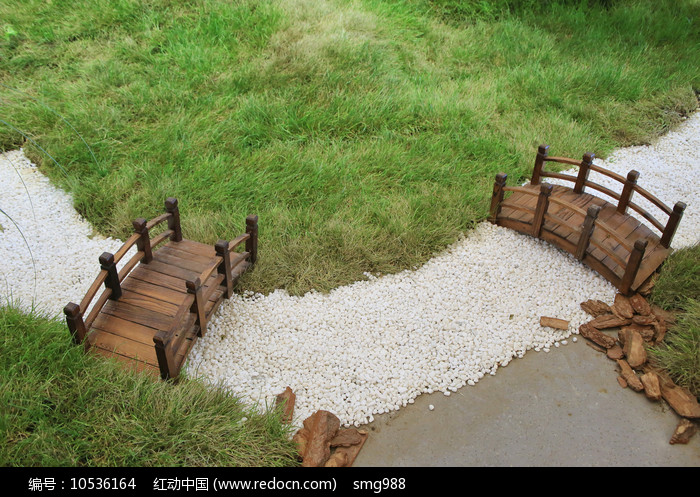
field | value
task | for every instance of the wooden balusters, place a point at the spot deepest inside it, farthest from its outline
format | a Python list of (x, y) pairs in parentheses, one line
[(672, 224), (143, 244), (586, 231), (541, 209), (539, 163), (75, 322), (583, 171), (497, 196), (222, 250), (633, 263), (627, 191), (195, 288), (112, 280), (174, 220), (251, 244)]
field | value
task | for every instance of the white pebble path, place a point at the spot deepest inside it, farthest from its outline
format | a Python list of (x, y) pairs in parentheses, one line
[(373, 346)]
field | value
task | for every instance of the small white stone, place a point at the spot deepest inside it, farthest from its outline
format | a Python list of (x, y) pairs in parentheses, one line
[(431, 407)]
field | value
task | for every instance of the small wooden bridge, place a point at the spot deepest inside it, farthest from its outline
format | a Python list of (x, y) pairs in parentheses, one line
[(599, 234), (154, 308)]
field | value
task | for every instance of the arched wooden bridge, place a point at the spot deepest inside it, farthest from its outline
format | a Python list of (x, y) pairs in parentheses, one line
[(154, 308), (602, 235)]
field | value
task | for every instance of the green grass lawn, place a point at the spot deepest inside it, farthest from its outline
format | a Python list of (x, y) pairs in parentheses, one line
[(365, 134), (62, 407)]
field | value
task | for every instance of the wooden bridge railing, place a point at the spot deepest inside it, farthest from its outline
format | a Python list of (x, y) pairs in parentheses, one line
[(540, 214), (624, 199), (229, 265), (77, 323)]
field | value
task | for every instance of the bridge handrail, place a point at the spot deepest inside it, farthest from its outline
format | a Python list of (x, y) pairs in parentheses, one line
[(568, 205), (624, 202), (590, 222), (111, 278)]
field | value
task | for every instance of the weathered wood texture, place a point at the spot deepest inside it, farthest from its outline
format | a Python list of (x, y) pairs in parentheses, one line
[(154, 309), (607, 237)]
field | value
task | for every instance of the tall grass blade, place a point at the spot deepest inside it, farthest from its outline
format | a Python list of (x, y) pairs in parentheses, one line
[(59, 116), (23, 183), (26, 243), (36, 145)]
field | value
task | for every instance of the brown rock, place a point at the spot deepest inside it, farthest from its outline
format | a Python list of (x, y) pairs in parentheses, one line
[(301, 438), (652, 389), (660, 329), (320, 428), (640, 305), (630, 376), (622, 307), (633, 347), (346, 437), (557, 323), (680, 400), (596, 308), (646, 332), (644, 320), (609, 321), (337, 460), (615, 352), (684, 431), (648, 285), (622, 382), (286, 401), (668, 316), (596, 336), (352, 451)]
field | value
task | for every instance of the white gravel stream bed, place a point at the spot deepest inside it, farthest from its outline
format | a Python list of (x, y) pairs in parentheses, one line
[(375, 345)]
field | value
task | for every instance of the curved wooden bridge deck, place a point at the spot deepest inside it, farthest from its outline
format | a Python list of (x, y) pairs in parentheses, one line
[(154, 308), (602, 235)]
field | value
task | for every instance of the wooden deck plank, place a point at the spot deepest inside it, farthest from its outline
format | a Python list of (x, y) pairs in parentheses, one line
[(171, 260), (148, 303), (145, 317), (128, 329), (130, 362), (154, 291), (176, 251), (110, 342), (193, 248)]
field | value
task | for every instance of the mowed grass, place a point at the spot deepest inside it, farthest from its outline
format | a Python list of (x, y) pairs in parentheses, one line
[(365, 134), (62, 407)]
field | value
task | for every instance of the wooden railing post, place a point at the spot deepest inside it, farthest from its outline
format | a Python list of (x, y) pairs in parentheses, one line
[(542, 205), (165, 361), (539, 164), (225, 267), (174, 220), (75, 322), (143, 244), (112, 281), (633, 263), (672, 224), (627, 191), (195, 288), (586, 231), (497, 197), (251, 244), (583, 171)]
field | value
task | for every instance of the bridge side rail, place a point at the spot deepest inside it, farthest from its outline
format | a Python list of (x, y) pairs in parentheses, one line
[(228, 263), (624, 199), (77, 323), (580, 250)]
